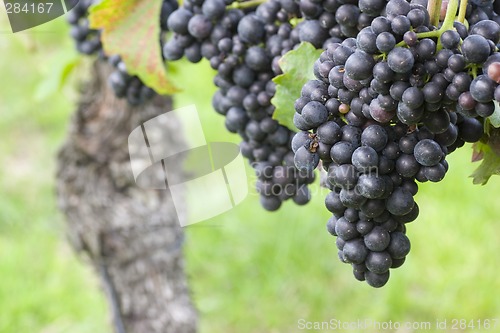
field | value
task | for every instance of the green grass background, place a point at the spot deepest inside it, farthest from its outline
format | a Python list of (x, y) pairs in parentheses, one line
[(250, 271)]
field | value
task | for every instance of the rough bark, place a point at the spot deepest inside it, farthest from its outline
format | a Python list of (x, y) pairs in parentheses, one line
[(130, 235)]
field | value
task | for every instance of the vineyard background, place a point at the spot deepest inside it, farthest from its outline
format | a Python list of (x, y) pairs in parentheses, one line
[(250, 270)]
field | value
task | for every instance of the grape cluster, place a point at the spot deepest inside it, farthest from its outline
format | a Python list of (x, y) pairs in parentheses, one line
[(244, 45), (88, 42), (385, 110), (395, 93)]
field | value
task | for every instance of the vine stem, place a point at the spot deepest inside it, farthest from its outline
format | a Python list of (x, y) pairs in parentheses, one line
[(449, 19), (434, 9), (294, 21), (451, 13), (246, 4), (461, 12)]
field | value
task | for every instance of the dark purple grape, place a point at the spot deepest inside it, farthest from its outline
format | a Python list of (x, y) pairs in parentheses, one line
[(377, 239), (355, 251), (428, 152), (376, 280), (399, 245), (378, 262), (475, 49), (400, 60), (400, 202), (359, 65)]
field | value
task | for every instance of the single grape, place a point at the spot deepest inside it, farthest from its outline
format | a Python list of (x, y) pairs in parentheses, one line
[(400, 202), (494, 72), (378, 262), (329, 133), (371, 186), (400, 60), (315, 113), (399, 245), (376, 280), (344, 176), (365, 158), (270, 203), (428, 152), (306, 160), (345, 229), (359, 65), (374, 136), (355, 251), (482, 89), (377, 239), (475, 49)]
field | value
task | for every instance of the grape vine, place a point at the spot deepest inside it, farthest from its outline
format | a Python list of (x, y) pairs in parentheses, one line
[(393, 88)]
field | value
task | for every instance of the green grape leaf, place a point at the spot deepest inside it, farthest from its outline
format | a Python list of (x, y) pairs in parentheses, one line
[(489, 154), (131, 28), (297, 66), (60, 69)]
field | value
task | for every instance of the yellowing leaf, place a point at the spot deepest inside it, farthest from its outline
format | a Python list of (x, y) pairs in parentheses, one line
[(131, 28)]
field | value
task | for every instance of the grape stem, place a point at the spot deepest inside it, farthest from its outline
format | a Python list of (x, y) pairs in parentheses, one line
[(245, 4), (294, 21), (434, 9), (449, 19), (462, 10), (473, 70)]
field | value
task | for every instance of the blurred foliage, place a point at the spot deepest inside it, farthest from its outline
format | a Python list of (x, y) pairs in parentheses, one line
[(44, 286), (251, 271)]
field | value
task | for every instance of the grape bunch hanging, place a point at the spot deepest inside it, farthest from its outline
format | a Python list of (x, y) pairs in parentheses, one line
[(384, 111), (399, 86)]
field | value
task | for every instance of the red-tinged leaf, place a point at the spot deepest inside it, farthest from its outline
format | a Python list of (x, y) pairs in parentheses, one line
[(131, 28), (477, 153)]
